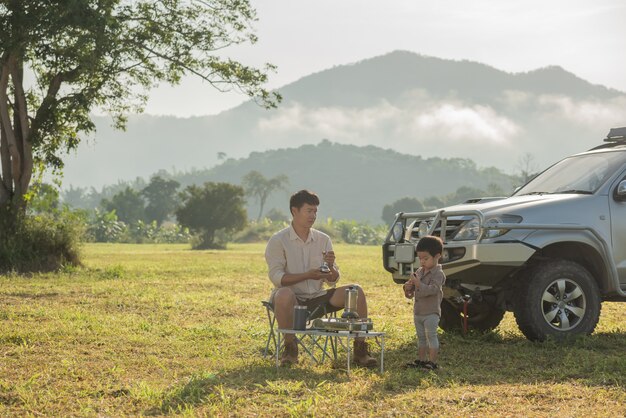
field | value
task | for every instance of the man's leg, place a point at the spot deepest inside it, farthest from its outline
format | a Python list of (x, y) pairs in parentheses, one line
[(284, 300), (361, 354)]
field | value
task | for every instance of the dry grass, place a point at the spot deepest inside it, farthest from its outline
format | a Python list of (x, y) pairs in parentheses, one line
[(162, 330)]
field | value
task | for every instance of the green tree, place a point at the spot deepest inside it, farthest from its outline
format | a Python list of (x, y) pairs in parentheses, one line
[(406, 204), (87, 55), (433, 202), (162, 198), (211, 208), (128, 205), (45, 199), (260, 187), (464, 193)]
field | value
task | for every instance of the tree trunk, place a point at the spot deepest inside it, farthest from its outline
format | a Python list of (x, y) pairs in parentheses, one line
[(16, 154)]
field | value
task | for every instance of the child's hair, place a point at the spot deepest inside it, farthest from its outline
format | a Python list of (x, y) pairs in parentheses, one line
[(431, 244)]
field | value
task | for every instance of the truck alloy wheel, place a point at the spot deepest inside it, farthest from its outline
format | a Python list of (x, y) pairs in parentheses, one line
[(559, 299)]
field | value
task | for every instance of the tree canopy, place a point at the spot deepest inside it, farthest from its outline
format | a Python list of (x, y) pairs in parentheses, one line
[(211, 208), (260, 187), (406, 204), (127, 204), (60, 60), (162, 198)]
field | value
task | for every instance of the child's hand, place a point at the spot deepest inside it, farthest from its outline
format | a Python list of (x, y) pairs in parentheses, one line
[(409, 289), (415, 279)]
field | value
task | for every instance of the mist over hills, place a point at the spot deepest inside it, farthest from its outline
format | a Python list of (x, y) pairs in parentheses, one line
[(413, 104)]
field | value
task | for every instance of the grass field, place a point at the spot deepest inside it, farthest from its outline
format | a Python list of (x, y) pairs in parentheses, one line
[(163, 330)]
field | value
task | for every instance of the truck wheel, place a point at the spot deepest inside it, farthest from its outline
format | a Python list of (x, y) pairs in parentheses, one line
[(559, 299), (480, 316)]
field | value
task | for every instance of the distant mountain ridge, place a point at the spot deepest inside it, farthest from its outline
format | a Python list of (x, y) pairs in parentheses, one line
[(391, 76), (413, 104), (356, 182)]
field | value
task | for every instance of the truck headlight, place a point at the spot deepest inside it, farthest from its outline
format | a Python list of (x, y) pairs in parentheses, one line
[(397, 231), (508, 219), (471, 229)]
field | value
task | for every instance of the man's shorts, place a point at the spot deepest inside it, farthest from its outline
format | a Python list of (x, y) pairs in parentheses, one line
[(320, 305)]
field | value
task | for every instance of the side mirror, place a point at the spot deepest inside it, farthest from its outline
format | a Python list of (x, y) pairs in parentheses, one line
[(620, 193)]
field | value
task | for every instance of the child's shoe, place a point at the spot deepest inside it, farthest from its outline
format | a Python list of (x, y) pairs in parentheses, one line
[(415, 364), (429, 365)]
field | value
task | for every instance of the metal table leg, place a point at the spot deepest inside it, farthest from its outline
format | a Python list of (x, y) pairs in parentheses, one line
[(278, 348)]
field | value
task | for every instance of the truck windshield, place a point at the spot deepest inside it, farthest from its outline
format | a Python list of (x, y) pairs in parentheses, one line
[(583, 174)]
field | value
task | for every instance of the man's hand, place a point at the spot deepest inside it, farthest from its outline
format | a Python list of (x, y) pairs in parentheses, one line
[(329, 257), (316, 274)]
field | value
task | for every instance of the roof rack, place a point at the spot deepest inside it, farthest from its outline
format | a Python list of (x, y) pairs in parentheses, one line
[(616, 134), (616, 137)]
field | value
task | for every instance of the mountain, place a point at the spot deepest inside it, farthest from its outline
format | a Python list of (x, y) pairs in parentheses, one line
[(353, 183), (413, 104)]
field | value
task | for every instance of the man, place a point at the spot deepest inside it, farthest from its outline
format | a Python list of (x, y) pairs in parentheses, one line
[(294, 256)]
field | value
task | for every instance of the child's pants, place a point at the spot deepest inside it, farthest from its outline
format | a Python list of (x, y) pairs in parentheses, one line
[(426, 329)]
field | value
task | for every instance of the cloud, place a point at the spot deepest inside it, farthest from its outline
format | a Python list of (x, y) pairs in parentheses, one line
[(606, 113), (413, 121), (337, 123), (477, 123)]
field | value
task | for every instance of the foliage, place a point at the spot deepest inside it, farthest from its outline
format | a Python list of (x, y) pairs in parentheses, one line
[(159, 330), (127, 204), (260, 187), (39, 242), (106, 227), (260, 231), (104, 55), (276, 215), (212, 208), (161, 195), (463, 193), (44, 200), (353, 232), (406, 204)]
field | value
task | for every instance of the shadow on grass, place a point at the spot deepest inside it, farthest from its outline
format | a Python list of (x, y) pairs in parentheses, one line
[(477, 359), (215, 388), (493, 359)]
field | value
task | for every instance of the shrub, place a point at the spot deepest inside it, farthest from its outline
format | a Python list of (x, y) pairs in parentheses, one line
[(259, 231), (353, 232), (105, 227), (40, 243)]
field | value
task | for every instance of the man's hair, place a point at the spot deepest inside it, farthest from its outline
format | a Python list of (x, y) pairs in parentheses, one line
[(298, 199), (431, 244)]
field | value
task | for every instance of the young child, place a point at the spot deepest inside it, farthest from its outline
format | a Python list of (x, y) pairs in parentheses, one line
[(426, 286)]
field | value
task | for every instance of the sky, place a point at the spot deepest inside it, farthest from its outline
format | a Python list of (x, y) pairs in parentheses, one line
[(301, 37)]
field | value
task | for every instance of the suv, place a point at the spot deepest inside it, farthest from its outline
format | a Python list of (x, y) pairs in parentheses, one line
[(551, 252)]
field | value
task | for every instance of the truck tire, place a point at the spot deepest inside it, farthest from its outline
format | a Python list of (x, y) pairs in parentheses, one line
[(480, 316), (559, 299)]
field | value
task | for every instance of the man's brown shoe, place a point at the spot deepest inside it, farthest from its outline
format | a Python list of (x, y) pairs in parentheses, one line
[(362, 356), (290, 354)]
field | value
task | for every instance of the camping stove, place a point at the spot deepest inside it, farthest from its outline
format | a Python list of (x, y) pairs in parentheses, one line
[(341, 324)]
